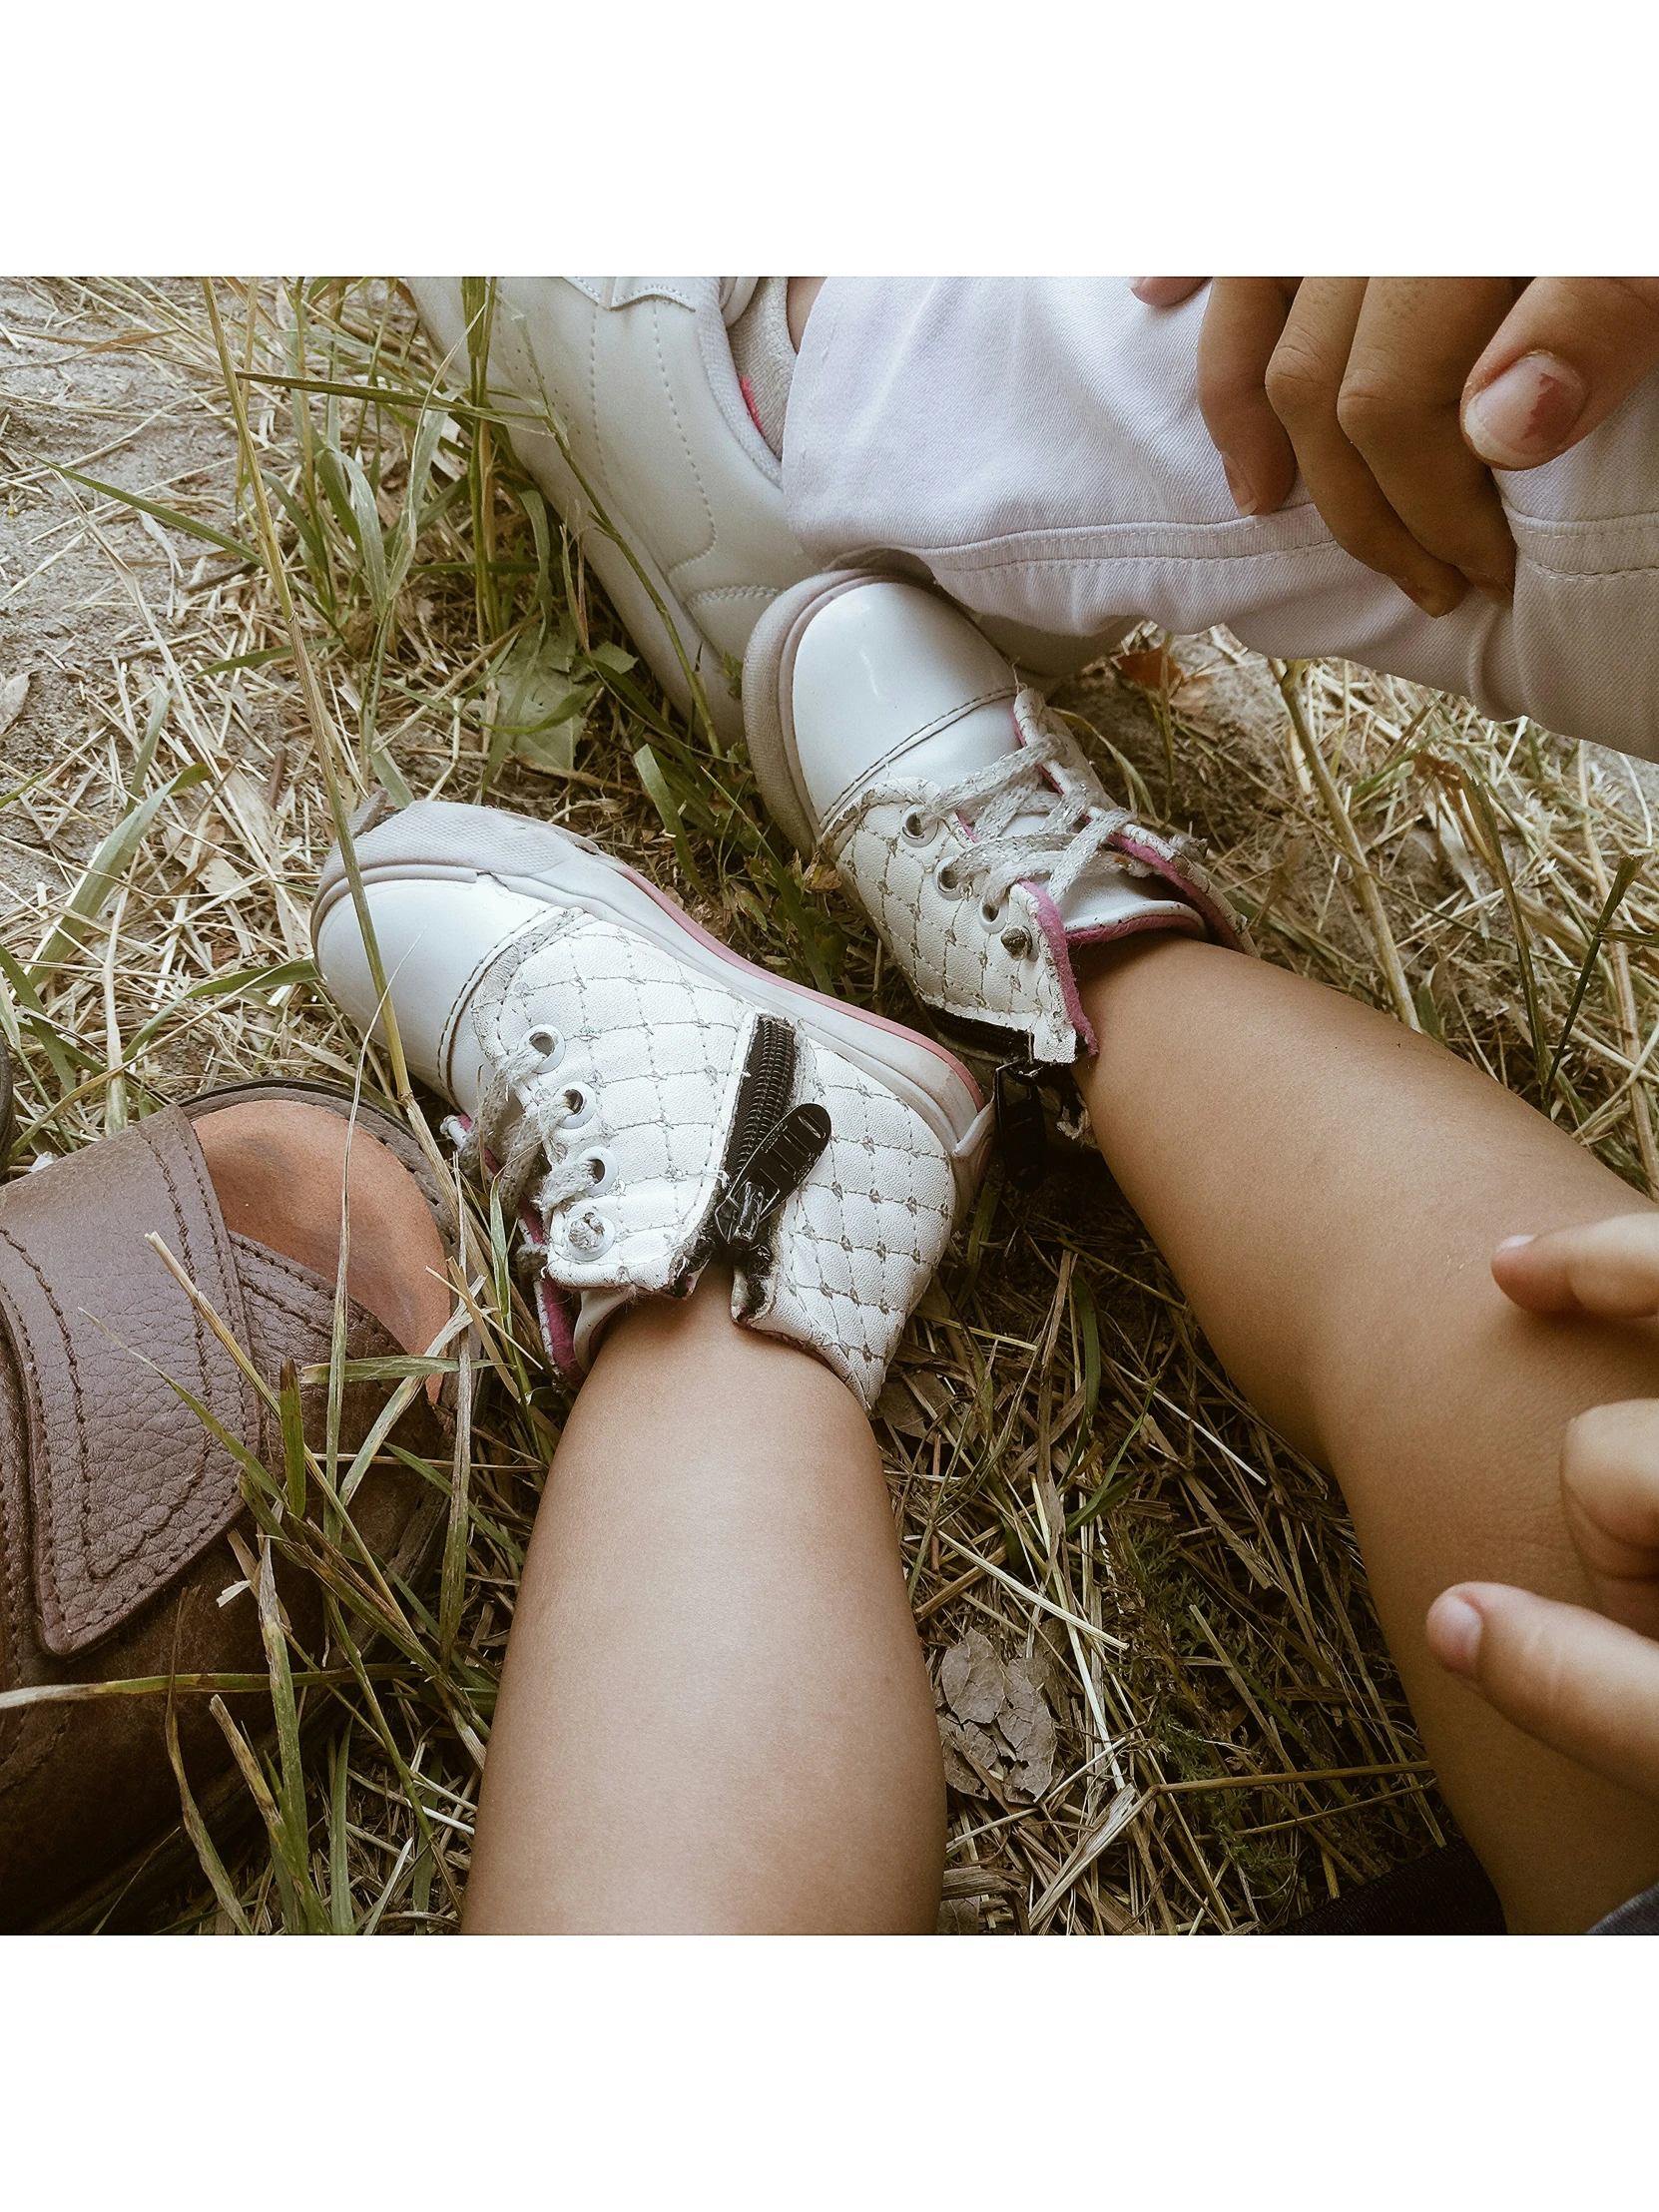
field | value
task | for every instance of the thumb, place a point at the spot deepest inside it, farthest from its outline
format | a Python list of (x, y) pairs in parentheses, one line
[(1569, 350), (1579, 1683), (1610, 1268)]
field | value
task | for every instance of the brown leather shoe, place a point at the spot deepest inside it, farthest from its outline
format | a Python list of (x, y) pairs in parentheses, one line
[(117, 1503)]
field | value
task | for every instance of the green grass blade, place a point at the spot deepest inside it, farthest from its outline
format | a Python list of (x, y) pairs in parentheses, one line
[(103, 878), (294, 1826), (1628, 871), (169, 515), (341, 1916), (294, 1917), (294, 1439), (1088, 1330), (195, 1829), (452, 1586), (651, 775), (220, 986)]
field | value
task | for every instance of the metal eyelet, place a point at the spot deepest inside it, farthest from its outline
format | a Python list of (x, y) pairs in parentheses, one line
[(549, 1042), (1016, 943), (579, 1102), (990, 915), (914, 831), (946, 878), (603, 1167), (590, 1233)]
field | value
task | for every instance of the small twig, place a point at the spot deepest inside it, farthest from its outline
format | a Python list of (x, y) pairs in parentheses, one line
[(1266, 1780), (1288, 675), (1624, 991)]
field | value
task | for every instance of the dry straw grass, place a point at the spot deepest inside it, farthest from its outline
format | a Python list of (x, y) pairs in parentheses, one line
[(1166, 1702)]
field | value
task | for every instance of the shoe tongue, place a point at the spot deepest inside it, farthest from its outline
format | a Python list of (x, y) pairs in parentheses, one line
[(973, 741), (986, 735), (1106, 895)]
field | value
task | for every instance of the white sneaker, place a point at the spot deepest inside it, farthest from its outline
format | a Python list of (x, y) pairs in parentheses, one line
[(638, 372), (886, 732), (649, 1101)]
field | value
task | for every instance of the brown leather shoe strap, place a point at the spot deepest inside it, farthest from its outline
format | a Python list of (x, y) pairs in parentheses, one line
[(125, 1483)]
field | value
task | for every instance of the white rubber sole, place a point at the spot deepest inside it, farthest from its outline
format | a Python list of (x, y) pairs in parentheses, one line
[(645, 625), (434, 841)]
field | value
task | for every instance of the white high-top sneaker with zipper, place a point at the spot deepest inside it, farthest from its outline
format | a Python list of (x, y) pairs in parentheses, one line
[(890, 737), (650, 1102)]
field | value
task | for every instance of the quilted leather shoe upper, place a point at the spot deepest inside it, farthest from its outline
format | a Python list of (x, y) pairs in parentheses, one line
[(961, 811), (604, 1050)]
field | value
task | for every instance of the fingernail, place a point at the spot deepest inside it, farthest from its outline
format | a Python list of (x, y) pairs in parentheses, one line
[(1523, 416), (1237, 483), (1509, 1242), (1454, 1632), (1433, 599)]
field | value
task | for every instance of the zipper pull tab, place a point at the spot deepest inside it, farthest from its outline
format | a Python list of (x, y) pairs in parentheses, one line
[(1022, 1133), (778, 1164)]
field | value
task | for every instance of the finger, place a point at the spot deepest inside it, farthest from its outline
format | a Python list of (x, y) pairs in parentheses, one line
[(1568, 352), (1398, 405), (1304, 381), (1610, 1268), (1610, 1494), (1243, 322), (1581, 1684), (1166, 292)]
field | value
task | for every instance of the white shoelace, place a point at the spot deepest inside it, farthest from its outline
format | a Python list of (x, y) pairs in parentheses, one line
[(543, 1104), (1070, 834)]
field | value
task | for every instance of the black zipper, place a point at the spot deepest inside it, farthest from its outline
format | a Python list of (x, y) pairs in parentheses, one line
[(771, 1150)]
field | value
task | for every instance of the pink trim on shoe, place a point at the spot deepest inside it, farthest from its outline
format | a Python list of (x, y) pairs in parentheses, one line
[(1215, 916), (558, 1330), (553, 1312), (748, 390), (1054, 929), (1108, 933)]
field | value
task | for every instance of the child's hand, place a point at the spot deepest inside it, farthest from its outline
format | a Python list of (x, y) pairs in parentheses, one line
[(1396, 395), (1586, 1683)]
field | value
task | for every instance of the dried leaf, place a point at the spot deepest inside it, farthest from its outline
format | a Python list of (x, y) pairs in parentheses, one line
[(974, 1759), (970, 1676), (911, 1402), (542, 707), (1027, 1725), (1054, 1512), (1146, 670), (899, 1411), (221, 880), (152, 529), (959, 1773), (13, 692)]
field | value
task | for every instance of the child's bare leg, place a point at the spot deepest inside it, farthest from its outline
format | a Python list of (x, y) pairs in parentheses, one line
[(802, 292), (715, 1715), (1329, 1189)]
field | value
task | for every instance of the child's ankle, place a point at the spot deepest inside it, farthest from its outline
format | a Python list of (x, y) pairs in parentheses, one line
[(802, 292)]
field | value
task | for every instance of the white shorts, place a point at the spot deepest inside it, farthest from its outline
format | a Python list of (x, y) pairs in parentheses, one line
[(1036, 445)]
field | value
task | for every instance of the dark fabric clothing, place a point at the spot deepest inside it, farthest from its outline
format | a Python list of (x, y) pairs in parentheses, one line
[(1445, 1892), (1635, 1916)]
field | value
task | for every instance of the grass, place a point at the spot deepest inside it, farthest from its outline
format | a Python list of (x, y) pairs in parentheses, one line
[(1166, 1704)]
